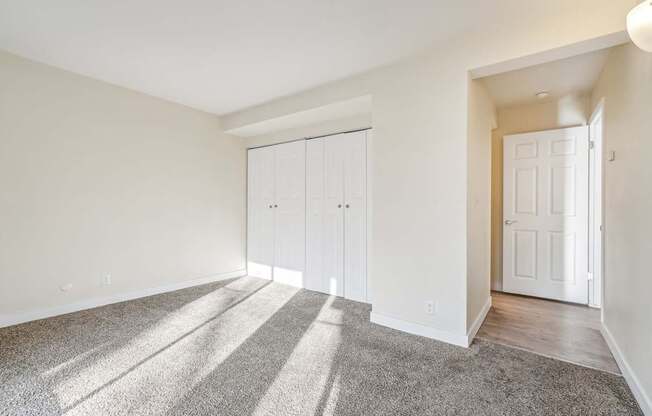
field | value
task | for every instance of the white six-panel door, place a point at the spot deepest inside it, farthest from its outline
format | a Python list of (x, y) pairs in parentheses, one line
[(276, 213), (336, 215), (545, 209)]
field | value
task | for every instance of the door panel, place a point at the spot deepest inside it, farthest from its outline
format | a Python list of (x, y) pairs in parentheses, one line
[(260, 212), (315, 215), (290, 209), (355, 169), (333, 216), (525, 254), (546, 214), (525, 190)]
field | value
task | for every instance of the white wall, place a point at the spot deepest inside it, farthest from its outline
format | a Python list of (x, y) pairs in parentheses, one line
[(420, 153), (97, 179), (568, 111), (626, 86), (481, 119)]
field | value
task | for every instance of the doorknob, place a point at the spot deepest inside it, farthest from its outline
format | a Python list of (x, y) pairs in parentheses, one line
[(347, 205), (510, 222), (339, 205), (270, 206), (275, 206)]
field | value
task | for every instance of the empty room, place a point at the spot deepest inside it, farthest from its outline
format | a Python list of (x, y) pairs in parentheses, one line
[(364, 207)]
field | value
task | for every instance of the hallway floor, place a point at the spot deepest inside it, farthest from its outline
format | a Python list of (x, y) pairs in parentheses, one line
[(555, 329)]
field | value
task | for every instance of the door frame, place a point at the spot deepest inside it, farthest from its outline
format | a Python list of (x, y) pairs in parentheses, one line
[(597, 199)]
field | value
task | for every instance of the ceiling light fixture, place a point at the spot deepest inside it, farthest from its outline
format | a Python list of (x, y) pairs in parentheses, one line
[(639, 25), (543, 94)]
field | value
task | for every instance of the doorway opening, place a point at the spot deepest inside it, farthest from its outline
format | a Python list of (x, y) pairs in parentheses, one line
[(547, 208)]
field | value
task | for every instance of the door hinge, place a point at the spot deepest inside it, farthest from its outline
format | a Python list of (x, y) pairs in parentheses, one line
[(591, 144)]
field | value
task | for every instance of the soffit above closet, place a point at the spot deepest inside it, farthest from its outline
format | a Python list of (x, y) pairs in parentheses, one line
[(333, 111)]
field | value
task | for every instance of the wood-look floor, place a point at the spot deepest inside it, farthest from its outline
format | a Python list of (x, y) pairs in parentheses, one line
[(555, 329)]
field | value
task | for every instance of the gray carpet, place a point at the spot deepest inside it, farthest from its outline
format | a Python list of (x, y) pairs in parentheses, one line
[(251, 347)]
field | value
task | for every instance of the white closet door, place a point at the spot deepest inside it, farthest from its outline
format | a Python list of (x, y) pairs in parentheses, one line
[(333, 216), (325, 232), (260, 212), (336, 224), (290, 213), (315, 215), (355, 230)]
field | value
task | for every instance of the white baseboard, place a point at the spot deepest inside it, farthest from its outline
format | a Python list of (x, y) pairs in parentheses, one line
[(635, 386), (477, 323), (419, 329), (33, 315)]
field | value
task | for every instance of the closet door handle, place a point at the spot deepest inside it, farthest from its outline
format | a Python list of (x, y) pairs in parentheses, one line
[(339, 205), (275, 206), (347, 205), (270, 206)]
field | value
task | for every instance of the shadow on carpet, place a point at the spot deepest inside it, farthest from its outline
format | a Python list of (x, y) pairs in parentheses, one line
[(250, 347)]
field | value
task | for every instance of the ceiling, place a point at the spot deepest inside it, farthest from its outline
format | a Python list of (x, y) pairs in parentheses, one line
[(225, 55), (575, 75)]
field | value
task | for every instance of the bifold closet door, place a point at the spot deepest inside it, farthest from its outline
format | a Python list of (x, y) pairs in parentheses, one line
[(355, 223), (276, 218), (290, 213), (325, 223), (336, 209), (260, 212)]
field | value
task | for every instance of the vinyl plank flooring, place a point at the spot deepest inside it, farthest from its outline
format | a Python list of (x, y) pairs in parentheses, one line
[(564, 331)]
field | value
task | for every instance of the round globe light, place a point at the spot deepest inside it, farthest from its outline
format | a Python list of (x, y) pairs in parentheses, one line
[(639, 25)]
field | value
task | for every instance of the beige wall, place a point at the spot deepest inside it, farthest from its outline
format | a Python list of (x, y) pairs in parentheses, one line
[(420, 152), (96, 179), (417, 236), (569, 111), (481, 119), (626, 86)]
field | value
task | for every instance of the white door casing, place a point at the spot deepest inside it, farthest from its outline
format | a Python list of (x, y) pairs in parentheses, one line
[(546, 214), (595, 208)]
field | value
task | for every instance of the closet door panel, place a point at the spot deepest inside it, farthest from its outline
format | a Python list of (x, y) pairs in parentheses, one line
[(355, 231), (260, 212), (333, 217), (290, 213), (314, 214)]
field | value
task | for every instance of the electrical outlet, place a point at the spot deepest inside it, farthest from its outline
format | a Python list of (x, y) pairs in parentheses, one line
[(107, 279), (66, 287), (430, 307)]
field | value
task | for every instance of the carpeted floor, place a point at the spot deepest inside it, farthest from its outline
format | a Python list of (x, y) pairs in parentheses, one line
[(251, 347)]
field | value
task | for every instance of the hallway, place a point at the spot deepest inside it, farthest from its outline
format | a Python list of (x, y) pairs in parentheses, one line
[(559, 330)]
